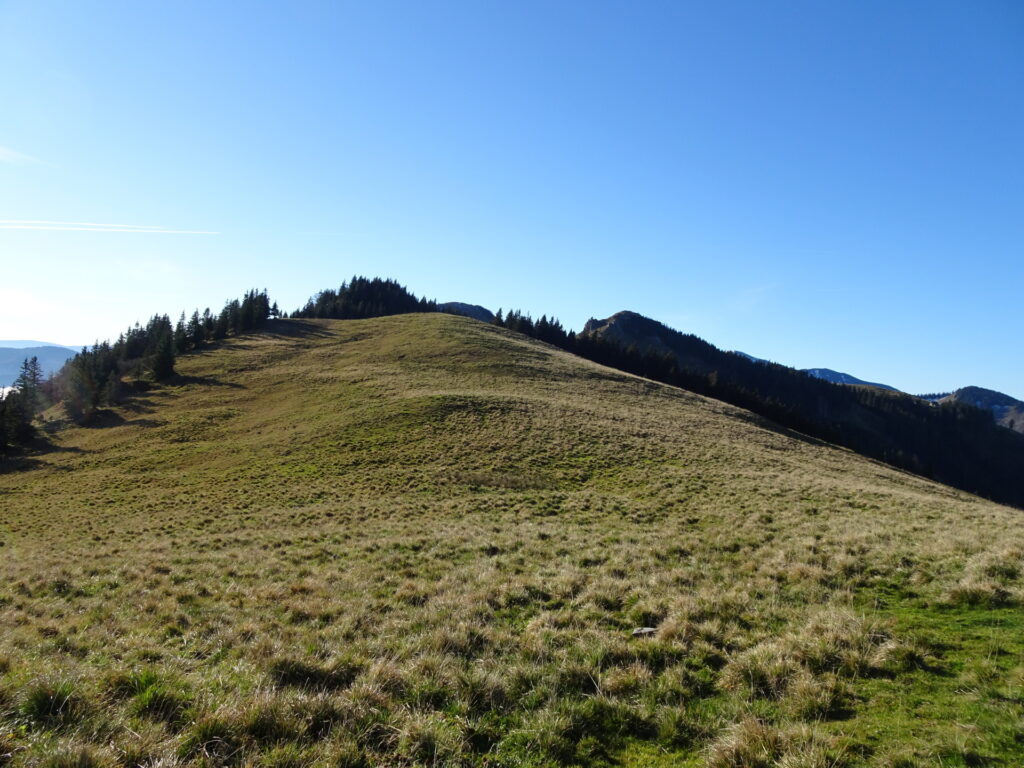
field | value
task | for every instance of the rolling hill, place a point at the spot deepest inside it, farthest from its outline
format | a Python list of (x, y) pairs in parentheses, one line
[(1007, 411), (423, 540)]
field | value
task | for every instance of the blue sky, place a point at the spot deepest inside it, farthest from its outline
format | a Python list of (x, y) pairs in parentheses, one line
[(822, 184)]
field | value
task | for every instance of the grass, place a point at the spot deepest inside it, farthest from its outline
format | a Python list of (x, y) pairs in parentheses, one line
[(421, 540)]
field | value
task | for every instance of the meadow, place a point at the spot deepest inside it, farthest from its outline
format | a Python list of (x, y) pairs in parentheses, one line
[(422, 540)]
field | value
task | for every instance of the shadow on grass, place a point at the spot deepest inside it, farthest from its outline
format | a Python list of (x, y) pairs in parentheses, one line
[(104, 418), (23, 461), (205, 381), (145, 423), (295, 328)]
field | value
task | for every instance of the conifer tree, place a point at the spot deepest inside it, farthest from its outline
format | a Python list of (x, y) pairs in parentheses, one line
[(195, 330), (180, 335), (29, 385), (163, 358)]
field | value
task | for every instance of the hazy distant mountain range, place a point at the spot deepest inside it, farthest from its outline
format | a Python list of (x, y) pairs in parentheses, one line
[(827, 374), (836, 377), (14, 352), (24, 343)]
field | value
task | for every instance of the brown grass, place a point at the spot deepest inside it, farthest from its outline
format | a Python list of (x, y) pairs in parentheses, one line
[(422, 540)]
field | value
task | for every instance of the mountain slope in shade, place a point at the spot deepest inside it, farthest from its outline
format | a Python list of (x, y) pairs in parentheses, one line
[(633, 329), (51, 358), (475, 311), (953, 443), (837, 377), (1007, 411)]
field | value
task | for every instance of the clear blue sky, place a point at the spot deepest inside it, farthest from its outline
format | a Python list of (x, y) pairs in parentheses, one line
[(820, 183)]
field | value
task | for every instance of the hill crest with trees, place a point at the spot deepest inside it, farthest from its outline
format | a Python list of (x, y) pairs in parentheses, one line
[(954, 443)]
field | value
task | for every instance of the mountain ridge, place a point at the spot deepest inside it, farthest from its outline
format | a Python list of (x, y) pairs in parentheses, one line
[(22, 343), (838, 377), (945, 443), (1006, 410)]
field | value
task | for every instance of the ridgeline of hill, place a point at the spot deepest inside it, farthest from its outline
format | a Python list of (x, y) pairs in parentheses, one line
[(1007, 411), (954, 442), (423, 540)]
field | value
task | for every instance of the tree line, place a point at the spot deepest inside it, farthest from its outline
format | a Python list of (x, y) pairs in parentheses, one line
[(953, 443), (361, 297), (19, 406), (96, 377)]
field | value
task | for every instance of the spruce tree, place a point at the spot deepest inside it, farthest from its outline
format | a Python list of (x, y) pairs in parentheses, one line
[(195, 330), (162, 363), (180, 335), (29, 385)]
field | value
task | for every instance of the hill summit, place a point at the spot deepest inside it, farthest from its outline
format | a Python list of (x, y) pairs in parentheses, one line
[(1007, 411), (423, 540)]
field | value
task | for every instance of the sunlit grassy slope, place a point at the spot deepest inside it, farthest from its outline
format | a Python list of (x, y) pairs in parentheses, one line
[(424, 540)]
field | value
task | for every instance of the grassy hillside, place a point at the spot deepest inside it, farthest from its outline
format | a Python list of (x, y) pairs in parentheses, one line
[(425, 540)]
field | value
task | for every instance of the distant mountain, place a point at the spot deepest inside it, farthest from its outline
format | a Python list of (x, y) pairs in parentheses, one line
[(24, 343), (826, 374), (469, 310), (836, 377), (1007, 411), (51, 358), (751, 358)]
